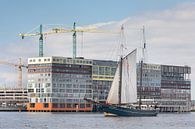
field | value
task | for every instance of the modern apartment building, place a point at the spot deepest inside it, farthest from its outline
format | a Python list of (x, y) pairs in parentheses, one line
[(151, 81), (167, 85), (175, 88), (60, 84)]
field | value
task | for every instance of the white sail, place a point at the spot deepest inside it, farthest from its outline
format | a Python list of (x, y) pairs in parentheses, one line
[(129, 78), (113, 94), (129, 82)]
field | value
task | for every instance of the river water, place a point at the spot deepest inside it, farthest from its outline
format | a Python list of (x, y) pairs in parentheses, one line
[(42, 120)]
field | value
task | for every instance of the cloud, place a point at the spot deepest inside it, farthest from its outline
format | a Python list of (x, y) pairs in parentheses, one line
[(169, 33)]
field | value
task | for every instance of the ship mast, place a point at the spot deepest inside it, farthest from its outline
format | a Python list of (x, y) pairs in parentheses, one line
[(120, 70), (141, 65), (120, 80)]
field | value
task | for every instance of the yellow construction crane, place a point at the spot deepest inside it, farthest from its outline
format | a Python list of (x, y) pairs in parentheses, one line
[(91, 29), (19, 66), (41, 34)]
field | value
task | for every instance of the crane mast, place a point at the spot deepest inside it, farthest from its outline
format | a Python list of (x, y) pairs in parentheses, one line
[(74, 41), (20, 74), (41, 42), (19, 66), (41, 34)]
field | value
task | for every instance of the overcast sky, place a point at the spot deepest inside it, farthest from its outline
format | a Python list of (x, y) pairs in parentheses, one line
[(169, 28)]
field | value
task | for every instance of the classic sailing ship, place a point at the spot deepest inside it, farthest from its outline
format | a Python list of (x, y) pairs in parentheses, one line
[(122, 98), (123, 93)]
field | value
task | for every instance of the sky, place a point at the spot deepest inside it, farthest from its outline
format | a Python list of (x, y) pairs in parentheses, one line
[(169, 28)]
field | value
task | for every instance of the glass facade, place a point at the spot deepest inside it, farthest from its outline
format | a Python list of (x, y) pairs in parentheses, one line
[(151, 81), (175, 82), (175, 88), (102, 76), (60, 84)]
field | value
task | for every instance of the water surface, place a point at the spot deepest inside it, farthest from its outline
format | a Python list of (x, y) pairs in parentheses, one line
[(42, 120)]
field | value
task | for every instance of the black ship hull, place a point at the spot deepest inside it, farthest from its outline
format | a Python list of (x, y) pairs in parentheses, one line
[(128, 112)]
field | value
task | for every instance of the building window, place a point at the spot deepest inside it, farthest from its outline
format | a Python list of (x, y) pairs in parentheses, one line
[(69, 105), (55, 105), (45, 105), (32, 105), (82, 105), (88, 105), (30, 90), (62, 105), (75, 105)]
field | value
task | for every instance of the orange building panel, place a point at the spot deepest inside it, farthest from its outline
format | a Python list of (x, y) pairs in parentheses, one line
[(47, 107)]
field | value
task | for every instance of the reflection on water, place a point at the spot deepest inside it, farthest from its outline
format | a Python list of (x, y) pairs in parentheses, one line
[(26, 120)]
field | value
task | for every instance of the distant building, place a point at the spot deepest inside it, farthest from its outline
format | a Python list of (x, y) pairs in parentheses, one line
[(13, 99), (60, 84)]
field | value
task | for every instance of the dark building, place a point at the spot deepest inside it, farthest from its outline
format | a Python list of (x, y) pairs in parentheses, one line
[(151, 81), (167, 85), (175, 88)]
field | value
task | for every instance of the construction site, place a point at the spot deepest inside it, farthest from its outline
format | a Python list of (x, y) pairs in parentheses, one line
[(59, 84)]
